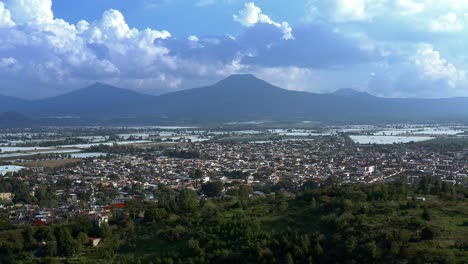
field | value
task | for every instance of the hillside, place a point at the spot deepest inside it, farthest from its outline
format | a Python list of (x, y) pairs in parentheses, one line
[(13, 119), (96, 100), (330, 224), (8, 103)]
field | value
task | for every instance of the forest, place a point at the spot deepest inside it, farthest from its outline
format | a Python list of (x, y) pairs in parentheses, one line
[(394, 222)]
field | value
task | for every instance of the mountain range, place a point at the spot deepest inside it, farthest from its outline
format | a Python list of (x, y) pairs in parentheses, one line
[(236, 98)]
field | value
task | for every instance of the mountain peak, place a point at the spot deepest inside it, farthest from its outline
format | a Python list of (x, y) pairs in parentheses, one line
[(242, 79), (99, 85), (348, 92), (246, 83)]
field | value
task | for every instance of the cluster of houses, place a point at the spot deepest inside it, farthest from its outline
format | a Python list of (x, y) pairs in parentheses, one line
[(100, 186)]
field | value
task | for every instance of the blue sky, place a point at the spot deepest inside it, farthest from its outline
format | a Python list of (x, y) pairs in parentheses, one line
[(391, 48)]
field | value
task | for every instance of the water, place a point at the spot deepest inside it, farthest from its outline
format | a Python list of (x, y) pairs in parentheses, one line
[(88, 155), (382, 140), (49, 151), (15, 149), (85, 146), (439, 132)]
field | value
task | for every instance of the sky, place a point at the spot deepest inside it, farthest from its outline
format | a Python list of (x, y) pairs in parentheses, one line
[(389, 48)]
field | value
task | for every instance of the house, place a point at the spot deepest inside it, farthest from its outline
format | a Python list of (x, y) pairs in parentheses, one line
[(6, 197), (94, 241), (40, 220)]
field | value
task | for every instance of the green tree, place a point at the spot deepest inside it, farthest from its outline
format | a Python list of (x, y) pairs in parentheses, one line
[(212, 189), (154, 214), (187, 201), (106, 231), (318, 250), (65, 244), (426, 215), (50, 248), (428, 233), (288, 259), (29, 242)]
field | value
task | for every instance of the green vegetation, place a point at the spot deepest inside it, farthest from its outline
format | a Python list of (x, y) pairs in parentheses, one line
[(385, 223)]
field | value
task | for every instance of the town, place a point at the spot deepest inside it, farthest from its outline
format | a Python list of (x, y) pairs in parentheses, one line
[(97, 186)]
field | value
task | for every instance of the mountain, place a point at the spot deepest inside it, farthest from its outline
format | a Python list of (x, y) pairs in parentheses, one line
[(14, 119), (353, 94), (245, 97), (96, 100), (236, 98), (8, 103)]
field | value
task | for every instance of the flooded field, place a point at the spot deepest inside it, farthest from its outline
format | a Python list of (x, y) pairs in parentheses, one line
[(383, 140)]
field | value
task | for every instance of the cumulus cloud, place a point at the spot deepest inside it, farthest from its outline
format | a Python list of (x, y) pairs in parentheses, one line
[(5, 17), (337, 48), (54, 51), (31, 11), (252, 14), (435, 68), (424, 74)]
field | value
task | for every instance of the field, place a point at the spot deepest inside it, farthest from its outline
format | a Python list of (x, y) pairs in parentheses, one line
[(47, 163)]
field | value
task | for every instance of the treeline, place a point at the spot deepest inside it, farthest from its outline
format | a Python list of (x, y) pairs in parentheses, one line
[(52, 143), (383, 223), (386, 223), (51, 243), (182, 154)]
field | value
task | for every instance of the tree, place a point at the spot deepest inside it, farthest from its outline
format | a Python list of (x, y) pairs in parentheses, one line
[(313, 203), (51, 244), (244, 191), (428, 233), (370, 251), (288, 259), (82, 238), (65, 244), (426, 215), (154, 214), (212, 189), (318, 250), (28, 237), (424, 185), (187, 201), (106, 231)]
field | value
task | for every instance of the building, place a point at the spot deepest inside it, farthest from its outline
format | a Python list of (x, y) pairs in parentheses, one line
[(6, 197)]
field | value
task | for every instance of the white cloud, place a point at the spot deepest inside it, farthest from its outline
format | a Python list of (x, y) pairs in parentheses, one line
[(291, 78), (30, 11), (252, 14), (54, 52), (447, 23), (351, 10), (193, 38), (5, 17), (435, 68), (342, 11), (410, 7)]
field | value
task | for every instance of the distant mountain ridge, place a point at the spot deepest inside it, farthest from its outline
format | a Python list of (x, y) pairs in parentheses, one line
[(348, 92), (13, 119), (237, 98)]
